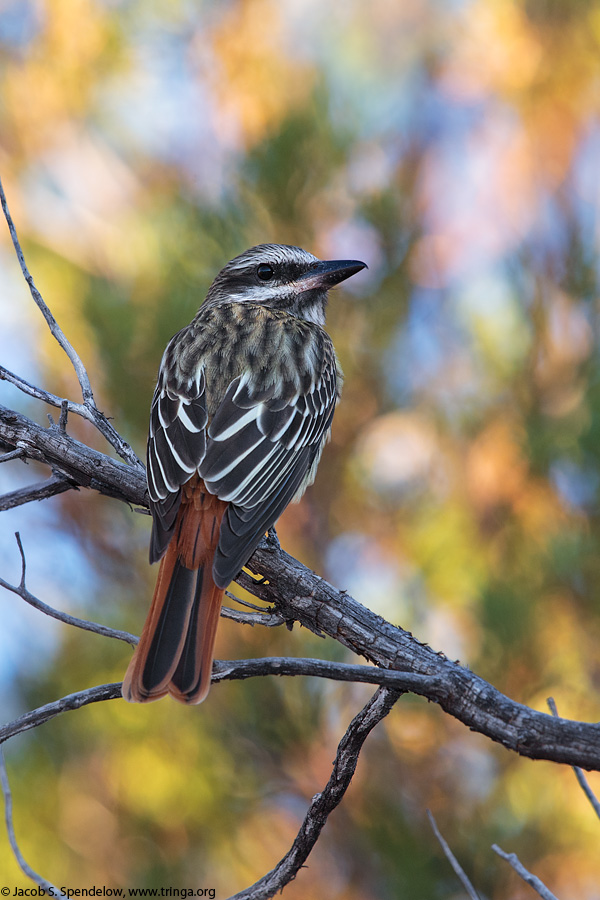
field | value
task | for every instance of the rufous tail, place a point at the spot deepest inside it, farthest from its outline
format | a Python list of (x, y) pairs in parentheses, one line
[(175, 652)]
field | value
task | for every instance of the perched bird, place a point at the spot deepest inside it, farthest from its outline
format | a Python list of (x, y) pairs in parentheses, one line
[(241, 412)]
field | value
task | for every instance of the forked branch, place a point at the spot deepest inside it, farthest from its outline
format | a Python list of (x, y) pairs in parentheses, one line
[(532, 880), (296, 595), (88, 409), (299, 595), (326, 801), (21, 591)]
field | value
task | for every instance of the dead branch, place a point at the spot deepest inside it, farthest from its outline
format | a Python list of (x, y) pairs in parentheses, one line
[(225, 670), (532, 880), (295, 594), (579, 775), (83, 466), (42, 714), (41, 490), (326, 801), (89, 409), (456, 866), (10, 828), (239, 669), (21, 591), (298, 594)]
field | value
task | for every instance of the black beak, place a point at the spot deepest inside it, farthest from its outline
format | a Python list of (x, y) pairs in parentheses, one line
[(327, 273)]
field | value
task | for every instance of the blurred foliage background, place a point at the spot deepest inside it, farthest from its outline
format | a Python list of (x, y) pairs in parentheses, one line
[(454, 146)]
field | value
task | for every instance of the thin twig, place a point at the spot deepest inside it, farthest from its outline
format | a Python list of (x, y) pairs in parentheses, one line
[(12, 454), (64, 412), (262, 615), (99, 420), (459, 871), (299, 595), (227, 670), (90, 413), (42, 714), (21, 591), (268, 620), (255, 606), (239, 669), (46, 396), (326, 801), (55, 330), (41, 490), (579, 773), (532, 880), (8, 816), (64, 454)]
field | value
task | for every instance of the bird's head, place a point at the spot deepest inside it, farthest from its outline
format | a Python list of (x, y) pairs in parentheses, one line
[(281, 277)]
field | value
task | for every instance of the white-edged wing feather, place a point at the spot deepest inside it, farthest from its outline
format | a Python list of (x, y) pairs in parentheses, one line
[(176, 446), (259, 451), (260, 454)]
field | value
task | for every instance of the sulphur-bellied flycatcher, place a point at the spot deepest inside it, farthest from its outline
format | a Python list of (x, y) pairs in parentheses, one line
[(240, 415)]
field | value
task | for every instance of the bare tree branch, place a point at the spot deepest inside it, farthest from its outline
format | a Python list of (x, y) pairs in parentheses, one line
[(45, 396), (325, 802), (456, 866), (532, 880), (22, 591), (268, 620), (321, 806), (238, 669), (41, 490), (42, 714), (14, 454), (78, 462), (261, 616), (227, 670), (8, 816), (93, 413), (55, 330), (579, 774), (298, 594)]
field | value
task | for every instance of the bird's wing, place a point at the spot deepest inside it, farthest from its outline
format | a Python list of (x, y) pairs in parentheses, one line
[(263, 445), (176, 447)]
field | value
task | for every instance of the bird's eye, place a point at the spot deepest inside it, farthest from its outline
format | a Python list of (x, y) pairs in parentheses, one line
[(265, 272)]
